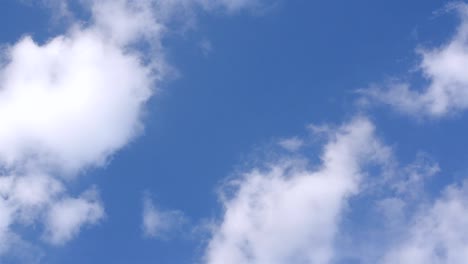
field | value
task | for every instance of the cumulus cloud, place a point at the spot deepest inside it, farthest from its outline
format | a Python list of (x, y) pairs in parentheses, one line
[(68, 105), (357, 206), (337, 212), (289, 212), (445, 69), (157, 223)]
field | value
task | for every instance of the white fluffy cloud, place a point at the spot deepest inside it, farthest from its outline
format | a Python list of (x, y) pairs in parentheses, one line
[(356, 206), (289, 212), (70, 103), (65, 106), (445, 68)]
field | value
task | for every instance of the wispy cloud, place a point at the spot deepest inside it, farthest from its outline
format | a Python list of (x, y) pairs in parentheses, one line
[(437, 233), (158, 223), (291, 144), (444, 67), (67, 216)]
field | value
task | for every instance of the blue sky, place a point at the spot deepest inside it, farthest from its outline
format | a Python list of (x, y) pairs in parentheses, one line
[(233, 131)]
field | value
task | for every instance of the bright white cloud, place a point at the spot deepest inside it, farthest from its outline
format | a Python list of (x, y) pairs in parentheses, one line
[(445, 68), (71, 103), (68, 105), (158, 223), (290, 213)]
